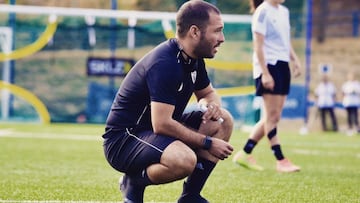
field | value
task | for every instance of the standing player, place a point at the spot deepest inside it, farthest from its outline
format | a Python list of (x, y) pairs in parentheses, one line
[(351, 102), (272, 54), (148, 137), (325, 93)]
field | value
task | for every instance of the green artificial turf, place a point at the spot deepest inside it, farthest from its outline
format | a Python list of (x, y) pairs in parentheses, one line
[(65, 162)]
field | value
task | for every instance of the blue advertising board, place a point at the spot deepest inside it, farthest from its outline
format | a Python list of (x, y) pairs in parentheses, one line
[(98, 66), (295, 104), (246, 108)]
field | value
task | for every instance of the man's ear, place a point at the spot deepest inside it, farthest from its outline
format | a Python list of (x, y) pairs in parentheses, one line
[(194, 31)]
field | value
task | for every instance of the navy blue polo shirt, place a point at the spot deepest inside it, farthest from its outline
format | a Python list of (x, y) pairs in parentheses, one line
[(159, 76)]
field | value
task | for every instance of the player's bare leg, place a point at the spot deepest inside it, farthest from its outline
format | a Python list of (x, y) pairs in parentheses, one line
[(244, 157), (273, 108)]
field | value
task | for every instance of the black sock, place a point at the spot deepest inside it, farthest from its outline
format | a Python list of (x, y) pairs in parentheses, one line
[(141, 178), (249, 146), (277, 152), (196, 181)]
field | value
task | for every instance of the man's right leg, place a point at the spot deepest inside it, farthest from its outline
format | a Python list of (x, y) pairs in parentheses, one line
[(146, 159), (133, 185), (177, 162)]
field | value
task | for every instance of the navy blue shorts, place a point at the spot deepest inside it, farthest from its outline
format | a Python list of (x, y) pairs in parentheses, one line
[(131, 151), (281, 75)]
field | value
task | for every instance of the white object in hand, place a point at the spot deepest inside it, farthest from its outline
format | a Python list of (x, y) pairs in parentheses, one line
[(203, 109)]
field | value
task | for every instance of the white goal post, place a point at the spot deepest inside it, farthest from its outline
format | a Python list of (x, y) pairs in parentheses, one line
[(107, 13)]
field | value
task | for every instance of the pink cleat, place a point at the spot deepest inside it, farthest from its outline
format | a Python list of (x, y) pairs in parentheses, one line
[(285, 166)]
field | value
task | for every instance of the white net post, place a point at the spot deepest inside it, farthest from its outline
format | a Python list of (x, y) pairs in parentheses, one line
[(5, 42)]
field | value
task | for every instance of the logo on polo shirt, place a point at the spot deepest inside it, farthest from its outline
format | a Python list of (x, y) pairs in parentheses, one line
[(181, 87), (193, 76)]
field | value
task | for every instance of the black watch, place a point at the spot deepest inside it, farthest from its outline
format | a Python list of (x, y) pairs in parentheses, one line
[(207, 143)]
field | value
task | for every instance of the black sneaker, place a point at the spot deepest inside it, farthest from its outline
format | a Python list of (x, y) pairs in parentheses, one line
[(131, 192), (192, 198)]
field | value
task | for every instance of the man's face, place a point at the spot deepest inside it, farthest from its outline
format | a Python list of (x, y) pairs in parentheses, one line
[(211, 37)]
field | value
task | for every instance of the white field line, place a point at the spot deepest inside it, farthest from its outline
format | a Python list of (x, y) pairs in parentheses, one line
[(324, 144), (321, 153), (57, 201), (50, 201), (11, 134)]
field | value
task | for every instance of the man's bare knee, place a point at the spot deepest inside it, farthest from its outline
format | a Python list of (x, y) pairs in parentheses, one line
[(221, 130), (226, 127), (180, 159), (228, 120)]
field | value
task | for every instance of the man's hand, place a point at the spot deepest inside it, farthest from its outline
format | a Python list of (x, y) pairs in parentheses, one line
[(211, 112), (220, 148)]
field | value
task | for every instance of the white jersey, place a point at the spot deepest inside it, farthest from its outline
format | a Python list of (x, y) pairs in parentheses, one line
[(351, 91), (326, 93), (273, 23)]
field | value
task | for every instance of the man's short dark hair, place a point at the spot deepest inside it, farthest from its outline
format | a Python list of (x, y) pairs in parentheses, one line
[(195, 12)]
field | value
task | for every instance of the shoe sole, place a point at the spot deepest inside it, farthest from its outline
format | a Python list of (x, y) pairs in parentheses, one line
[(247, 166), (290, 171)]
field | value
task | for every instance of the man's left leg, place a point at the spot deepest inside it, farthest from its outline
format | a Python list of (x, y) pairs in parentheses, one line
[(206, 162)]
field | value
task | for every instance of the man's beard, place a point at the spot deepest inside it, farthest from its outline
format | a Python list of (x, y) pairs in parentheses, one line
[(204, 49)]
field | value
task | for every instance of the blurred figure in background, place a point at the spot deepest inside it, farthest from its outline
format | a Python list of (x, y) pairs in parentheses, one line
[(325, 93), (351, 102), (272, 54)]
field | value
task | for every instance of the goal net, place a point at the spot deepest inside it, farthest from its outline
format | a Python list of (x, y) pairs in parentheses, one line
[(61, 72)]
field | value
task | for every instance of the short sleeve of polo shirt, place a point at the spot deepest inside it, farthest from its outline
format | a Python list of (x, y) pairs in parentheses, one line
[(163, 81), (259, 21), (202, 79)]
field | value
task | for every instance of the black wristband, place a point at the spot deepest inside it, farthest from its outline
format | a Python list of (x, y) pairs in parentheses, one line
[(207, 143)]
